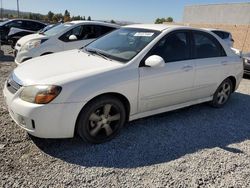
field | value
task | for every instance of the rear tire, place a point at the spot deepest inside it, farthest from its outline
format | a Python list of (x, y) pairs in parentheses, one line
[(101, 120), (222, 94)]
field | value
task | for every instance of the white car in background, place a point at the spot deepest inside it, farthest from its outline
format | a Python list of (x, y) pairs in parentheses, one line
[(67, 36), (130, 73), (227, 38), (224, 35)]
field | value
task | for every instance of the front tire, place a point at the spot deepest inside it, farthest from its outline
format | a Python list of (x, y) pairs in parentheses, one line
[(222, 94), (101, 119)]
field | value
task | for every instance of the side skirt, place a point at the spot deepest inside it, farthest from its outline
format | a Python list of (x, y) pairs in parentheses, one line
[(169, 108)]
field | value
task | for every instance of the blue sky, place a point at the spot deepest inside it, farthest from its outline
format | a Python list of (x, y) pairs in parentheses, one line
[(143, 11)]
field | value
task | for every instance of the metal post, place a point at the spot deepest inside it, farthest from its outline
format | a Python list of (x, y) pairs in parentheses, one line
[(18, 8), (1, 9), (0, 32)]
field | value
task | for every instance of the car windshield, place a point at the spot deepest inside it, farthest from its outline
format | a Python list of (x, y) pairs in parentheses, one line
[(58, 29), (123, 44)]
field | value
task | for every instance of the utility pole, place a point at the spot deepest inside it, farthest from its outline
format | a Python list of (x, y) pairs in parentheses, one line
[(1, 52), (2, 9), (18, 8)]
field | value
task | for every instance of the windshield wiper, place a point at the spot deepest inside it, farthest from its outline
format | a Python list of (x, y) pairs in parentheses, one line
[(104, 56)]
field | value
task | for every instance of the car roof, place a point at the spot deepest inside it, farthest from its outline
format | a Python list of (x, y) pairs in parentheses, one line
[(94, 22), (157, 27)]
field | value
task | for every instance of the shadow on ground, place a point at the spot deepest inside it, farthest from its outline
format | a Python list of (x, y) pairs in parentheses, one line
[(161, 138), (6, 57)]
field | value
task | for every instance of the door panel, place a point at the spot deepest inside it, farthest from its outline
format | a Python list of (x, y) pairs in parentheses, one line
[(208, 72), (209, 60), (170, 85)]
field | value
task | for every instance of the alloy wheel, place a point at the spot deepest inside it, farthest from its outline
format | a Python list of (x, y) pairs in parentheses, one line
[(104, 121), (224, 93)]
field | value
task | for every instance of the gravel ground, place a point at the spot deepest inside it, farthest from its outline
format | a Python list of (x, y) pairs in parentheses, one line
[(194, 147)]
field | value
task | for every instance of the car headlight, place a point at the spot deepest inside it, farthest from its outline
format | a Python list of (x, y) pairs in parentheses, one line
[(40, 94), (33, 44), (245, 60)]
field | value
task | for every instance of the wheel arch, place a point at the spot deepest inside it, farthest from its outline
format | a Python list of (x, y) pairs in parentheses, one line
[(119, 96), (233, 80)]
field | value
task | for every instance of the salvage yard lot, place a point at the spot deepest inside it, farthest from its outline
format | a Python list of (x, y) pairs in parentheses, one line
[(198, 146)]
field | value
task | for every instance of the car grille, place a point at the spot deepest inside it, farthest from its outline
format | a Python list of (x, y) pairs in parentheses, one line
[(13, 86)]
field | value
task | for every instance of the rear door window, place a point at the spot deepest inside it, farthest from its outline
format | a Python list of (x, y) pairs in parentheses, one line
[(91, 32), (206, 46)]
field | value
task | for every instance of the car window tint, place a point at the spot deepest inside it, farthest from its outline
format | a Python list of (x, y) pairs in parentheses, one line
[(29, 25), (15, 23), (106, 29), (226, 35), (206, 46), (77, 31), (37, 26), (173, 47), (220, 34), (91, 32)]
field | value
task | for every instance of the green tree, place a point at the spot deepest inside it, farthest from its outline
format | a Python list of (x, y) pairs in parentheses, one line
[(89, 18), (66, 17), (50, 16), (84, 18), (160, 20), (57, 17), (76, 18), (112, 21), (169, 19)]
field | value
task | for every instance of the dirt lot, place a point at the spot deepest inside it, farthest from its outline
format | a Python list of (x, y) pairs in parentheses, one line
[(194, 147)]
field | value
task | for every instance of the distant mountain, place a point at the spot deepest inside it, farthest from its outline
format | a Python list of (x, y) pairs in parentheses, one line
[(14, 12), (7, 13)]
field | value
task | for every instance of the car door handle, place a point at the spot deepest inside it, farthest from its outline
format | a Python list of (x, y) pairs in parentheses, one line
[(187, 68), (224, 62)]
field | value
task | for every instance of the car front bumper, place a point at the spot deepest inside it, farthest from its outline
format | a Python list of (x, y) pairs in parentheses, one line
[(44, 121)]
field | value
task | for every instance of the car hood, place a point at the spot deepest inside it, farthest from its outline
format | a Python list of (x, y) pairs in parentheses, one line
[(62, 67), (27, 38)]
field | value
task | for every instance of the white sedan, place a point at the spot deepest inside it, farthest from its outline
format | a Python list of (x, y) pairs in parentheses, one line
[(131, 73), (67, 36)]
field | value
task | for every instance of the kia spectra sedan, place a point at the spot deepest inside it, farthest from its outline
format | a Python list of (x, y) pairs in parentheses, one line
[(133, 72)]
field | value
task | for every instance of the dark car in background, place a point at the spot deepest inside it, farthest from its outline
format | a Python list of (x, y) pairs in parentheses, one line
[(246, 61), (12, 30)]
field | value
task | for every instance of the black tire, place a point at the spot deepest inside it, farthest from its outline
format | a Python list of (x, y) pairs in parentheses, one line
[(13, 43), (95, 125), (222, 94)]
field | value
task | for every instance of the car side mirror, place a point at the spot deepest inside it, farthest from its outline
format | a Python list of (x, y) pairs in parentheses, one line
[(72, 37), (155, 61)]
